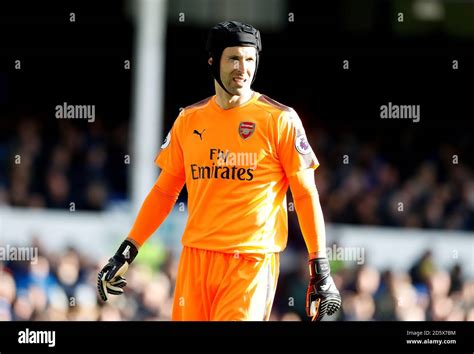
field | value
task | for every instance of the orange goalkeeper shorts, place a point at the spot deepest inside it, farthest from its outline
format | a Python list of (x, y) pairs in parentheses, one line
[(215, 286)]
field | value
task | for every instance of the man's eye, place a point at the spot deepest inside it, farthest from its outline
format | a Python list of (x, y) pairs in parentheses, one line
[(249, 59)]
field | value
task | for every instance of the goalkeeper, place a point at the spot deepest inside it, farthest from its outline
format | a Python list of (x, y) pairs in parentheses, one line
[(237, 151)]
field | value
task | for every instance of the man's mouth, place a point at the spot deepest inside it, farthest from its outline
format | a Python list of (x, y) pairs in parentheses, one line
[(239, 80)]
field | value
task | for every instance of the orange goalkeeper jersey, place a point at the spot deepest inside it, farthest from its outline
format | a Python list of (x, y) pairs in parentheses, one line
[(236, 163)]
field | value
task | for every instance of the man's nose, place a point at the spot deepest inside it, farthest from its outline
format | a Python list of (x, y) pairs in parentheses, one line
[(240, 65)]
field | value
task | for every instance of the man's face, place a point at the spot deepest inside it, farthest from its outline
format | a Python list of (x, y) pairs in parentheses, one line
[(237, 69)]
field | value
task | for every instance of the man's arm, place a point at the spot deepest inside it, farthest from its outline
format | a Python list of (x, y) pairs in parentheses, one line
[(310, 214), (156, 207), (322, 296)]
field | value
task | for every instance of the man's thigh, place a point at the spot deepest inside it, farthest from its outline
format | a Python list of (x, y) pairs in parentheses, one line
[(247, 291)]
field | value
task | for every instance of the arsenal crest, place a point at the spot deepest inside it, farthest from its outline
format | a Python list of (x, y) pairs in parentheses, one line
[(246, 129)]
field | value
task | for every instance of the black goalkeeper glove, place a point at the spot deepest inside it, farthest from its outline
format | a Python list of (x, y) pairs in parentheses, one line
[(110, 279), (322, 297)]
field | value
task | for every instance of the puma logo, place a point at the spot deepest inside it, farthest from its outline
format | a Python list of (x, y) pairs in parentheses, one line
[(200, 134), (126, 252)]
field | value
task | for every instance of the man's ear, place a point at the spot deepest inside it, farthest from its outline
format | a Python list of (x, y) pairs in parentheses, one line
[(209, 61)]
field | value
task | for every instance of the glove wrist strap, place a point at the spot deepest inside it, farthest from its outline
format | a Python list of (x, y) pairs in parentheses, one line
[(127, 251), (318, 266)]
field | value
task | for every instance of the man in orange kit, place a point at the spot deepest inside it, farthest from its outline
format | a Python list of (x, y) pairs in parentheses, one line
[(238, 152)]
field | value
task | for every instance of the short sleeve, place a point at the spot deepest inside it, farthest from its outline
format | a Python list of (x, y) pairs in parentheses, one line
[(294, 151), (170, 158)]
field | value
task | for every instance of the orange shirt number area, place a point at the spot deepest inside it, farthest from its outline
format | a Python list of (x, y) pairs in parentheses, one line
[(235, 162)]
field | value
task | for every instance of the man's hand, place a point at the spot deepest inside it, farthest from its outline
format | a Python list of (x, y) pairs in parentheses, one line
[(322, 297), (110, 279)]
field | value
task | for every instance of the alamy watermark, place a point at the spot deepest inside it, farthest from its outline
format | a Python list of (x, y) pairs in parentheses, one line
[(12, 253), (37, 337), (69, 111), (349, 254), (397, 111), (230, 158)]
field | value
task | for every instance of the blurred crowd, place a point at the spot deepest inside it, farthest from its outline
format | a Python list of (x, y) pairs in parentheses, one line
[(62, 286), (364, 181), (46, 164), (422, 293)]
